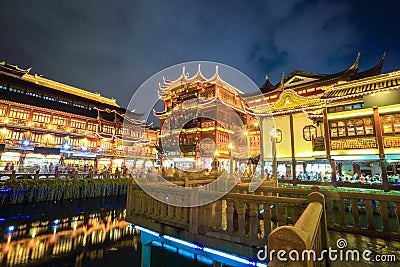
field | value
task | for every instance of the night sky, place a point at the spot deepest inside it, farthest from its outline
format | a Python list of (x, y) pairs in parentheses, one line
[(112, 47)]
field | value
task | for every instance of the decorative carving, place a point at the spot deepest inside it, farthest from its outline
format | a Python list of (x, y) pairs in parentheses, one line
[(289, 99)]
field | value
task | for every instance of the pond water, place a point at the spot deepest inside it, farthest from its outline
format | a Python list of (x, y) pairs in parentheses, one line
[(89, 232)]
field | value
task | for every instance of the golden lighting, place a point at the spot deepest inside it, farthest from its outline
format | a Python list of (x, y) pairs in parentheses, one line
[(389, 109), (216, 153), (245, 133), (6, 120), (350, 114), (230, 146), (29, 124), (4, 131), (273, 132)]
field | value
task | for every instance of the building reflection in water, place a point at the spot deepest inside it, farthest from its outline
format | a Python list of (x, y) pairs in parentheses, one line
[(41, 241)]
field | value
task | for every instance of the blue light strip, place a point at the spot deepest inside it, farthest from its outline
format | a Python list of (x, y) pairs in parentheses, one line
[(147, 231), (227, 255), (205, 249), (182, 242)]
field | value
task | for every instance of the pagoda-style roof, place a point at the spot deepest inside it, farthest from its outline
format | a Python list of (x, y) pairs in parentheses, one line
[(184, 79), (16, 72), (13, 70), (300, 78), (69, 89), (363, 86)]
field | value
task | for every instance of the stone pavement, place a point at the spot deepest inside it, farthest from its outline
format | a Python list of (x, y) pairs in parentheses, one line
[(361, 243)]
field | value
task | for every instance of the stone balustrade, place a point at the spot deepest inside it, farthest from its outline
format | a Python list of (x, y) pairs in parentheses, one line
[(238, 222), (370, 214), (309, 234)]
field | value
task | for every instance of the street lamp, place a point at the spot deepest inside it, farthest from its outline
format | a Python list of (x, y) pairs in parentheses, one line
[(216, 158), (274, 159), (230, 146)]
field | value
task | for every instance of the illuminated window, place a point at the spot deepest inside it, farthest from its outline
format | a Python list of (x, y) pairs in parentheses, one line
[(359, 123), (108, 129), (40, 117), (19, 113), (391, 124), (309, 132), (92, 126), (79, 124), (350, 128), (57, 120), (341, 129), (369, 126), (3, 109)]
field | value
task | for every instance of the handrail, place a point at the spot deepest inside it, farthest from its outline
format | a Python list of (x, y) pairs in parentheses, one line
[(307, 237)]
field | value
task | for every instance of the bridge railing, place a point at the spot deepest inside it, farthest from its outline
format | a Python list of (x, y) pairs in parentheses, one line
[(305, 240), (236, 217), (370, 214)]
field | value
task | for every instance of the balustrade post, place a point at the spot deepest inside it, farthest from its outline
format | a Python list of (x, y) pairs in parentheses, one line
[(370, 214), (241, 211), (218, 215), (13, 176), (253, 214), (267, 220), (384, 211), (208, 215), (57, 175), (194, 212), (398, 215), (36, 175), (281, 214), (354, 212), (91, 176), (229, 216)]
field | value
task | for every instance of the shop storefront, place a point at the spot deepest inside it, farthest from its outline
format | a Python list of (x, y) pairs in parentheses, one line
[(9, 159), (43, 163)]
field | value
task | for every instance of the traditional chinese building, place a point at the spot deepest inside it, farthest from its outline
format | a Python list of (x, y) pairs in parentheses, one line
[(45, 123), (333, 125), (200, 116)]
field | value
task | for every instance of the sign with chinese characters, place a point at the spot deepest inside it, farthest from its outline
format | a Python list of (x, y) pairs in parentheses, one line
[(318, 143), (359, 143), (392, 141)]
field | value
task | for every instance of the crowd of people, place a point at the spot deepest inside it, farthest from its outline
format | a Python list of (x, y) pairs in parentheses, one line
[(64, 168)]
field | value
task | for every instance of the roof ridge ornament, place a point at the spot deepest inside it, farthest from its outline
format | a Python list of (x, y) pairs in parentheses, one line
[(383, 58), (355, 64)]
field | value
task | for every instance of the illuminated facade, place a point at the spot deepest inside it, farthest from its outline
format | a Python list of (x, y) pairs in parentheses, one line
[(216, 108), (334, 125), (44, 123), (42, 241)]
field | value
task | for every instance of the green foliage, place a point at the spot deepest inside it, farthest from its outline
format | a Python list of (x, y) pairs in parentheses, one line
[(60, 189), (343, 189)]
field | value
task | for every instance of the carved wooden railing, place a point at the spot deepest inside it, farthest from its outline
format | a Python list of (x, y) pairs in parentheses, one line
[(309, 234)]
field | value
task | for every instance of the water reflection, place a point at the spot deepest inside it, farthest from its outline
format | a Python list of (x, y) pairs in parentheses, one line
[(39, 241)]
